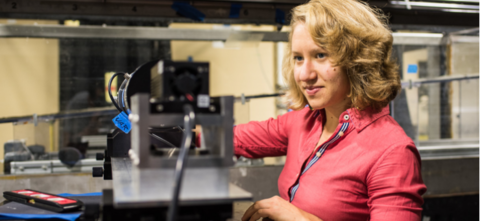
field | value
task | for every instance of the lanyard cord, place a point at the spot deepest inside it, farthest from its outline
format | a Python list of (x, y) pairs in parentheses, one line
[(317, 156)]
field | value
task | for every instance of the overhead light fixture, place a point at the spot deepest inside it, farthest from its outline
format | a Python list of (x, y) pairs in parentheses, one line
[(408, 4), (420, 35), (461, 11), (463, 1)]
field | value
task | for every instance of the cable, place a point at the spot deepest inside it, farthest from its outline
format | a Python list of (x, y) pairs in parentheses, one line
[(161, 139), (127, 82), (121, 91), (110, 92), (189, 120)]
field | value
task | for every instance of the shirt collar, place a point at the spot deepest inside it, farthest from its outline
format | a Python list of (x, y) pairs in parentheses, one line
[(359, 119), (363, 118)]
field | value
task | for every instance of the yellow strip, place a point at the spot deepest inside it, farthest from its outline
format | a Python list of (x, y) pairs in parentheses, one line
[(52, 137)]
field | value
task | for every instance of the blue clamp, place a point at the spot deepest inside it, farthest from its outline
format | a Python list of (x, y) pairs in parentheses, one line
[(186, 10), (235, 10), (279, 16), (122, 122)]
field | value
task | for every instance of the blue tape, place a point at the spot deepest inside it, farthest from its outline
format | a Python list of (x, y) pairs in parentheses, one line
[(186, 10), (279, 16), (69, 217), (81, 194), (122, 122), (235, 10), (412, 69)]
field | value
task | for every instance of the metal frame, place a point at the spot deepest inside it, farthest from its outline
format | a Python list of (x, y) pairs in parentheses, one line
[(217, 135), (137, 180)]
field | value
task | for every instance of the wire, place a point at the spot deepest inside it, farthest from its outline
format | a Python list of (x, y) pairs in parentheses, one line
[(110, 92), (125, 99), (189, 120), (161, 139), (121, 95)]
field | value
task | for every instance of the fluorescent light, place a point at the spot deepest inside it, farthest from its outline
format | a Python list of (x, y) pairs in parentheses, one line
[(435, 5), (469, 1), (461, 11), (420, 35)]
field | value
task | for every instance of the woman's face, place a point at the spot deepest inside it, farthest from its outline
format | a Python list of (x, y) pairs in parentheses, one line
[(324, 85)]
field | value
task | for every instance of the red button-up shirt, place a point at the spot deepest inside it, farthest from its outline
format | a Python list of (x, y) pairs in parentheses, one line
[(372, 172)]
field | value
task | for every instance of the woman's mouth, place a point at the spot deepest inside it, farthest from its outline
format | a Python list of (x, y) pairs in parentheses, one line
[(312, 90)]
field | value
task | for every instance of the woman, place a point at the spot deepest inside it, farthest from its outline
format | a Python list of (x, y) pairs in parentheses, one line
[(347, 159)]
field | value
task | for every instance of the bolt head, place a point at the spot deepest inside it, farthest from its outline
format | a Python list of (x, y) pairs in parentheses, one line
[(133, 118), (160, 107)]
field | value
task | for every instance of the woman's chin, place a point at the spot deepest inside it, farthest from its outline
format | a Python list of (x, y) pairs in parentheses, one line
[(315, 106)]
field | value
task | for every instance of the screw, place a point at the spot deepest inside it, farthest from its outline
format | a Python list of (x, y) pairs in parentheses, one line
[(200, 69), (212, 108), (130, 153), (160, 107), (133, 157), (171, 98), (171, 69), (133, 117)]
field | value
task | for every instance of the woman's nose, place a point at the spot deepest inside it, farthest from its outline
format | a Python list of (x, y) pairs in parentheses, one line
[(307, 72)]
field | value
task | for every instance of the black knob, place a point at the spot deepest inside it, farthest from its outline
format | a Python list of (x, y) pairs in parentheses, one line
[(100, 156), (97, 171)]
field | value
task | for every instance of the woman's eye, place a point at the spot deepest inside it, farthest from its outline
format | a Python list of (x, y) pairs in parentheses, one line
[(321, 55), (297, 58)]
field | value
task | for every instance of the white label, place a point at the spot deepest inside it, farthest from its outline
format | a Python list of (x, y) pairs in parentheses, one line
[(160, 67), (203, 100)]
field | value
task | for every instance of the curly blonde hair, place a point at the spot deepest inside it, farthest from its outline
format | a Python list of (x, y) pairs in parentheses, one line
[(357, 39)]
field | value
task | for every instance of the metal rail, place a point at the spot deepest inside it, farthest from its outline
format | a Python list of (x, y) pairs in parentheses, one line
[(448, 149), (122, 32), (51, 117), (417, 83), (162, 33)]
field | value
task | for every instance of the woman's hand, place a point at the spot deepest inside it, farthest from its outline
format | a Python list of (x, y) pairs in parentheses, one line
[(277, 209)]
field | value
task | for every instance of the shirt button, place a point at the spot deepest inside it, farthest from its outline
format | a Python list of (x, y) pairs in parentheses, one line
[(346, 117), (340, 133)]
